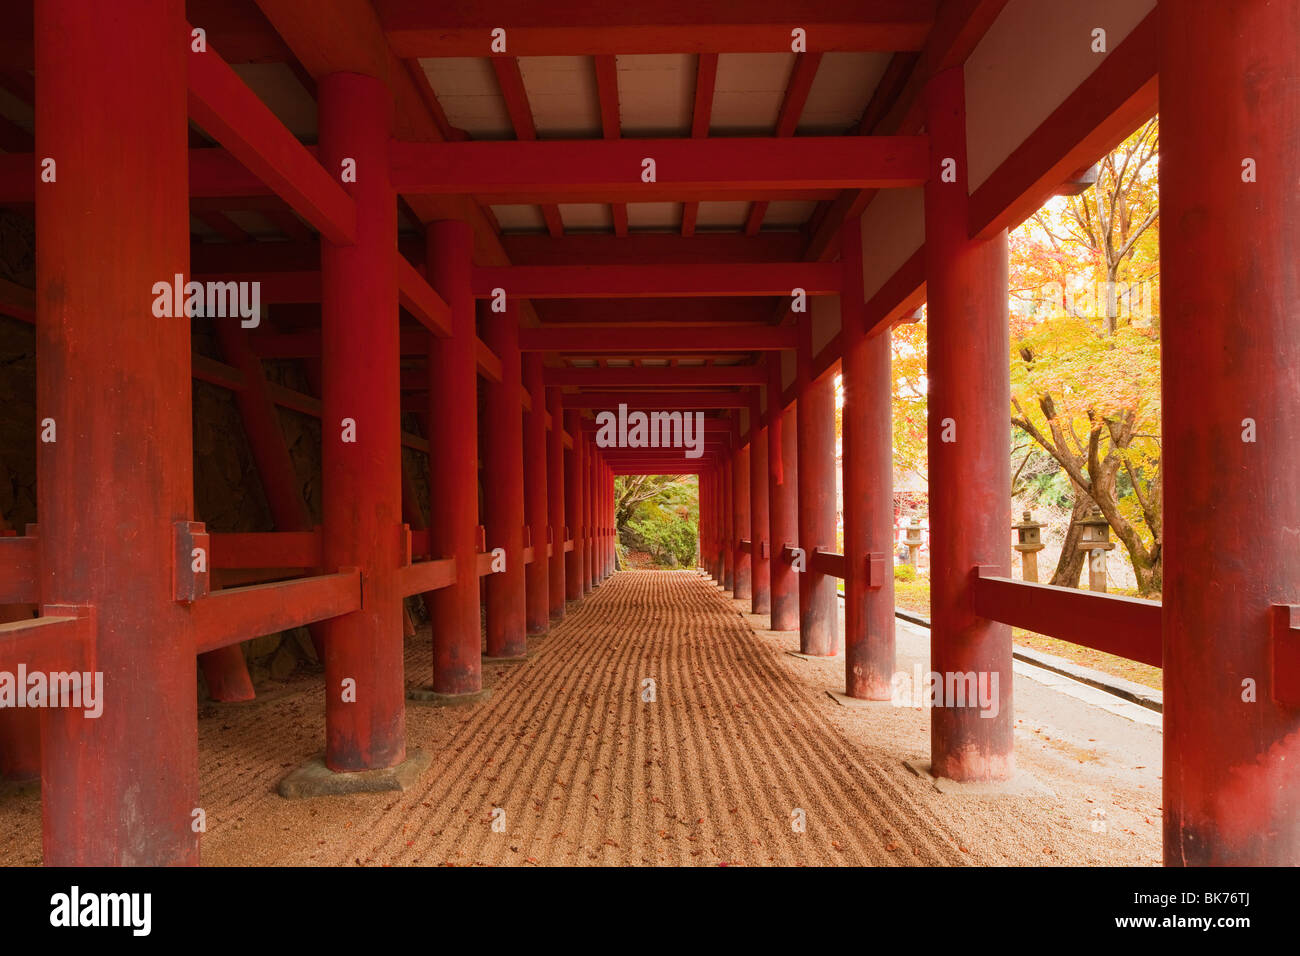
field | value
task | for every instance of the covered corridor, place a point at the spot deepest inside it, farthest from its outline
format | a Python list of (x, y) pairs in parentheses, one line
[(409, 254), (740, 736)]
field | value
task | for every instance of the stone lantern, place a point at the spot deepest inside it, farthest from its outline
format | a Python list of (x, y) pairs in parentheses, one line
[(913, 541), (1096, 542), (1029, 542)]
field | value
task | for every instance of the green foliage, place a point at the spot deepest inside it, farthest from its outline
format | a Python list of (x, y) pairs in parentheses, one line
[(659, 515), (904, 572)]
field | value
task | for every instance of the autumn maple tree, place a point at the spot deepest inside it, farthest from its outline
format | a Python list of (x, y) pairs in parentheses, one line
[(1085, 353)]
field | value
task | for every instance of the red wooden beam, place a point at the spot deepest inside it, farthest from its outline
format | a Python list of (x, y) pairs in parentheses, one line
[(651, 338), (221, 103), (661, 401), (424, 576), (419, 298), (511, 82), (607, 92), (796, 95), (1116, 98), (1124, 626), (217, 177), (237, 614), (418, 29), (655, 281), (61, 639), (612, 170), (270, 549), (655, 377), (706, 79)]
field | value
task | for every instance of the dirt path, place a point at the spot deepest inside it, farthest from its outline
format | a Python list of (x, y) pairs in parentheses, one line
[(587, 772)]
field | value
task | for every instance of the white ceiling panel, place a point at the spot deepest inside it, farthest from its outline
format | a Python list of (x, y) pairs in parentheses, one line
[(721, 215), (520, 218), (586, 217), (654, 215), (656, 94), (788, 213), (562, 94), (748, 93), (470, 96), (840, 92)]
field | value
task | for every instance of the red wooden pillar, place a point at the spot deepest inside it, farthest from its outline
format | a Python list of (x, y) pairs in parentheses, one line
[(361, 434), (760, 548), (867, 441), (20, 744), (537, 575), (453, 468), (706, 546), (970, 477), (503, 486), (818, 610), (782, 502), (598, 519), (728, 524), (584, 512), (719, 523), (119, 789), (577, 525), (555, 491), (607, 509), (711, 505), (1231, 346), (740, 526), (589, 516)]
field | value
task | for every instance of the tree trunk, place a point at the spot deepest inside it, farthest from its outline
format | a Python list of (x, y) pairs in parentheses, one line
[(1069, 566)]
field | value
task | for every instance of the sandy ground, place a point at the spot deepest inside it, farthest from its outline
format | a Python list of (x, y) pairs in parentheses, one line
[(739, 738)]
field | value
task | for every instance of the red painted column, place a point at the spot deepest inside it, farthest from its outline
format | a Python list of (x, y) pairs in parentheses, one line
[(361, 434), (740, 524), (608, 507), (782, 502), (867, 449), (728, 525), (970, 477), (720, 523), (503, 486), (706, 546), (584, 516), (118, 789), (818, 604), (1231, 347), (20, 744), (578, 522), (555, 490), (537, 575), (453, 472), (759, 530), (598, 518), (589, 514), (711, 506)]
